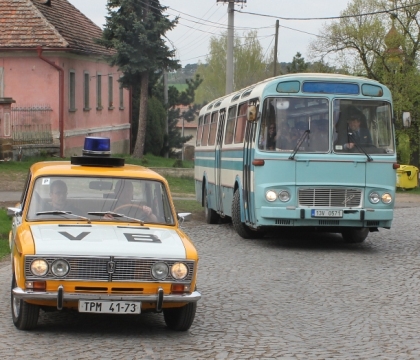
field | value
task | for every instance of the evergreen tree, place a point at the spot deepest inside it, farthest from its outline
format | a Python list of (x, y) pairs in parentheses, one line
[(135, 30), (298, 64)]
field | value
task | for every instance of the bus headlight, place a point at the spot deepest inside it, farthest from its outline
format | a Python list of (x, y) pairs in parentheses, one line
[(271, 195), (284, 195), (374, 197), (39, 267), (386, 198)]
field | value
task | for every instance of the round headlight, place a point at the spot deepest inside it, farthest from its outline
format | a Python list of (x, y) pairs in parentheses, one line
[(60, 267), (179, 271), (284, 195), (39, 267), (374, 197), (271, 195), (386, 198), (160, 270)]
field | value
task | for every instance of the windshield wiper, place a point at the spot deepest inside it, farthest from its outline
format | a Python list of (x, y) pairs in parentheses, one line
[(359, 147), (62, 212), (300, 141), (116, 215)]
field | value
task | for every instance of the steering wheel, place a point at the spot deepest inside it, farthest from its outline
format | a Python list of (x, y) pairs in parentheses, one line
[(128, 206)]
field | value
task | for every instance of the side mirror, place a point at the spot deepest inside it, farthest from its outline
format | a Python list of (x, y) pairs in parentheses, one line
[(184, 216), (14, 211), (252, 113)]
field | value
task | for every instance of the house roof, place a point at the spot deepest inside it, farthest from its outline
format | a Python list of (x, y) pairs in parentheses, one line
[(50, 24)]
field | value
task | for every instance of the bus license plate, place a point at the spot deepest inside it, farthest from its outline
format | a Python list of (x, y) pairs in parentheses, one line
[(327, 213), (109, 307)]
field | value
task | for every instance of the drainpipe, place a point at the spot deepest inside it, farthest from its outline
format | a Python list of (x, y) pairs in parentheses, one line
[(60, 98)]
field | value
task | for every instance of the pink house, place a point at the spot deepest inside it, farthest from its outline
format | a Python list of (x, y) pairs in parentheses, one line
[(58, 79)]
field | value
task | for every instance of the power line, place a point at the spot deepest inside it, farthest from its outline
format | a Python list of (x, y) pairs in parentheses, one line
[(332, 17)]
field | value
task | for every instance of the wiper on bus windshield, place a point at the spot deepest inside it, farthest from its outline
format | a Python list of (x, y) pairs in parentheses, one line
[(300, 141), (359, 147)]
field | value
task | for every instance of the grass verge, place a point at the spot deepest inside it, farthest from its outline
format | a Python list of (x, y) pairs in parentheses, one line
[(5, 226)]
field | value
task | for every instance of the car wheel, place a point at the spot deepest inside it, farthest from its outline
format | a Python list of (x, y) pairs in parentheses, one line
[(25, 316), (211, 216), (242, 230), (355, 236), (181, 318)]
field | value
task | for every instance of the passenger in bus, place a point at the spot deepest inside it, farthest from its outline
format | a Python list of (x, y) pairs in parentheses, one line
[(319, 135), (356, 133)]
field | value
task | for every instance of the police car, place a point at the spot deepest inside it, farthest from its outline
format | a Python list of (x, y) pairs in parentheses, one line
[(95, 235)]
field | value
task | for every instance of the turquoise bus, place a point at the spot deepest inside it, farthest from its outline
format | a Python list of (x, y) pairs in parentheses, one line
[(314, 151)]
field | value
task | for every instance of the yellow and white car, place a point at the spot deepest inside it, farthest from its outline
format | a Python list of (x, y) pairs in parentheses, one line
[(75, 247)]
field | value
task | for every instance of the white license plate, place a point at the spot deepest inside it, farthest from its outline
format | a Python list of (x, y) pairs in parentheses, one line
[(109, 307), (327, 213)]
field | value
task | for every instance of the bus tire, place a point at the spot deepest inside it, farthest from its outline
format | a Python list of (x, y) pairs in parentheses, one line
[(211, 216), (355, 235), (242, 230)]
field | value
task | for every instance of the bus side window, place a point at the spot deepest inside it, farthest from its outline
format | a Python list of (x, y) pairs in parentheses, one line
[(213, 127), (199, 130), (241, 123), (230, 125), (206, 128)]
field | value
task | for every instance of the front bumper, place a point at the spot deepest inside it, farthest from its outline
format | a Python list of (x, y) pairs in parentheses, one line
[(60, 296)]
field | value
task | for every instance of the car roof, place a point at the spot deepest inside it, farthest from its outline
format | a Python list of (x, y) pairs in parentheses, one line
[(65, 168)]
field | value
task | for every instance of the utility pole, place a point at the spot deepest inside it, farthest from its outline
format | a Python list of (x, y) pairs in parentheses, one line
[(230, 41), (275, 47), (165, 99)]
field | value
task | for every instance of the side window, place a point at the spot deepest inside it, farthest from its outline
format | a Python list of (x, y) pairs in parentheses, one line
[(72, 90), (199, 130), (98, 91), (86, 80), (206, 128), (230, 125), (241, 123), (213, 127)]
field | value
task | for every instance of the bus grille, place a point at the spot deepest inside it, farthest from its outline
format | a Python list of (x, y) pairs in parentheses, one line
[(324, 197)]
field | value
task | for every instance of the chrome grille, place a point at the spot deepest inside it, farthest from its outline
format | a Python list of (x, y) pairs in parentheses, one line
[(97, 269), (325, 197)]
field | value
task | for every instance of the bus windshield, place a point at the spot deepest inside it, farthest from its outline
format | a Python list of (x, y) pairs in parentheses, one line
[(357, 126)]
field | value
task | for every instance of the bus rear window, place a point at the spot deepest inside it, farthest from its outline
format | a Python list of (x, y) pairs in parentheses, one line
[(330, 87)]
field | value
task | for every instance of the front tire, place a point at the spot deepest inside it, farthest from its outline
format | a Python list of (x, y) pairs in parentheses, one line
[(24, 315), (242, 230), (355, 236), (211, 216), (180, 318)]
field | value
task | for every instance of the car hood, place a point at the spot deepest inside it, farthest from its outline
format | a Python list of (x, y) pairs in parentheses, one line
[(107, 240)]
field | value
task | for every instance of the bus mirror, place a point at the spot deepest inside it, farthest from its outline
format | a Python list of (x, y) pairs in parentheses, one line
[(282, 104), (252, 113)]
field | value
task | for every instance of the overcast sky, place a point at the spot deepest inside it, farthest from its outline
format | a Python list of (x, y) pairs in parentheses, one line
[(201, 19)]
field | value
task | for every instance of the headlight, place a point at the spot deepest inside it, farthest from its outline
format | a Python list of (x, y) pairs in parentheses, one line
[(60, 268), (284, 195), (386, 198), (160, 270), (179, 271), (39, 267), (271, 195), (374, 197)]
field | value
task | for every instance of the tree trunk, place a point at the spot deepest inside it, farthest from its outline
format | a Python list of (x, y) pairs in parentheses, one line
[(141, 132)]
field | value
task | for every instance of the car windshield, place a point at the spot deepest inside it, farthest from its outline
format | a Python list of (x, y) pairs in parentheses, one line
[(99, 199)]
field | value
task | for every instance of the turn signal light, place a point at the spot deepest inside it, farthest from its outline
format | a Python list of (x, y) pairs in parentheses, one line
[(36, 285), (258, 162), (180, 288), (395, 166)]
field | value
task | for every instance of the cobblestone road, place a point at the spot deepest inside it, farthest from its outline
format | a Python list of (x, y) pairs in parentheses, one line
[(302, 296)]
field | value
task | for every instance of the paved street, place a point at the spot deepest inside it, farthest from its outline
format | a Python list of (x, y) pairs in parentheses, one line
[(297, 297)]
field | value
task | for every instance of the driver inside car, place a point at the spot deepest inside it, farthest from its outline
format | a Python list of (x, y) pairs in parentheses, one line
[(123, 193)]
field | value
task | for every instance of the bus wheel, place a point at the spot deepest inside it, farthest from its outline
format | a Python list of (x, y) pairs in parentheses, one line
[(211, 216), (356, 235), (242, 230)]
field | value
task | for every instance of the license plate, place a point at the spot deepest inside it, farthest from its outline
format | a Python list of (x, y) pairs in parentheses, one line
[(109, 307), (327, 213)]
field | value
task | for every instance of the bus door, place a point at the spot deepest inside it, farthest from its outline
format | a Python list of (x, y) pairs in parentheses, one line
[(247, 185), (218, 163)]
